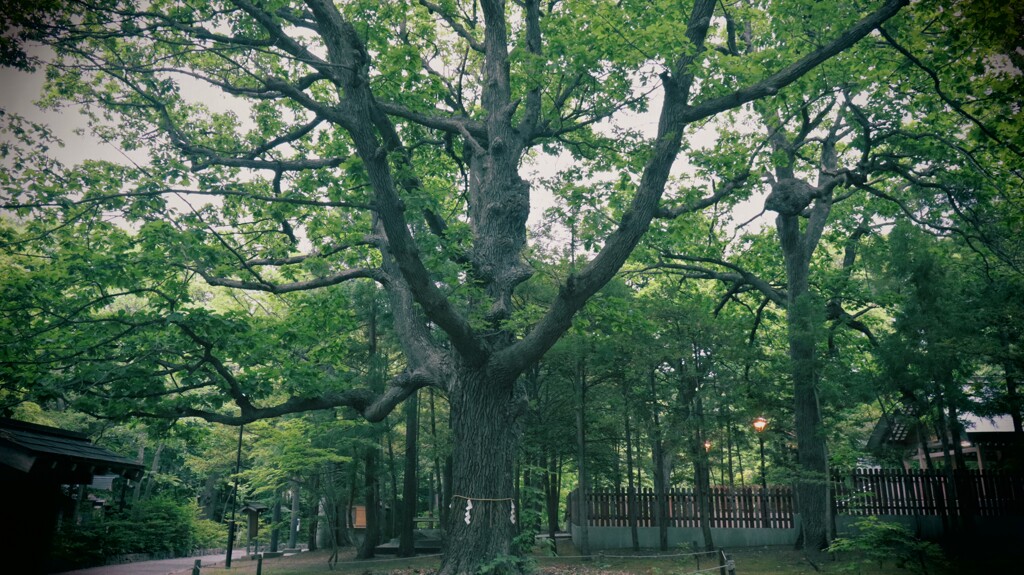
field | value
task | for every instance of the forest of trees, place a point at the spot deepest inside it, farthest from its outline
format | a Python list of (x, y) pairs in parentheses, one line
[(426, 252)]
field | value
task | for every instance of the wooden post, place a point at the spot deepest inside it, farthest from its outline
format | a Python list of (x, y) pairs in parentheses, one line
[(727, 566), (259, 564), (195, 568)]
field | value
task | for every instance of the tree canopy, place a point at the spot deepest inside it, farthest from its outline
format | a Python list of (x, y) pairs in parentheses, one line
[(289, 161)]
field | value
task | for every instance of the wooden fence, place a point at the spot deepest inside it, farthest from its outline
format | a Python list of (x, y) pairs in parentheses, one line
[(923, 492), (741, 507), (860, 492)]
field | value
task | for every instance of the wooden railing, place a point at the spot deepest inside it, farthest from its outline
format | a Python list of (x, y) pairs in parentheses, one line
[(859, 492), (923, 492), (741, 507)]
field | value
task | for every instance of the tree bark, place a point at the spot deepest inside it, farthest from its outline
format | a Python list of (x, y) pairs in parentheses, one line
[(406, 542), (293, 530), (313, 513), (631, 488), (391, 519), (275, 519), (439, 507), (486, 436), (210, 500), (154, 469), (1011, 371), (552, 490), (702, 473), (371, 498), (581, 462), (811, 484)]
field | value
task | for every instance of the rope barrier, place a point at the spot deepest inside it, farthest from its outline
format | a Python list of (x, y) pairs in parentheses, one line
[(469, 506), (368, 561), (600, 555), (480, 498), (715, 568), (605, 556)]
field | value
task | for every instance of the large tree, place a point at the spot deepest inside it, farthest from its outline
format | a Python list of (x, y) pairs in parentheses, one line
[(355, 141)]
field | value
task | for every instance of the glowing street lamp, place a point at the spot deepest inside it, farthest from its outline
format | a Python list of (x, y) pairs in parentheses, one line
[(760, 424)]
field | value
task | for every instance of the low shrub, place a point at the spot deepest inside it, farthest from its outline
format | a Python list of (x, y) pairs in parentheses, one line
[(159, 526), (877, 541)]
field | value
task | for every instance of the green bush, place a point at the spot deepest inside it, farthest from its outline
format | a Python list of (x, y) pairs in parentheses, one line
[(879, 541), (159, 526), (210, 534)]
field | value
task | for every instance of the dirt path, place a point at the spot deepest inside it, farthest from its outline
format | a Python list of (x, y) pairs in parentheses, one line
[(157, 567)]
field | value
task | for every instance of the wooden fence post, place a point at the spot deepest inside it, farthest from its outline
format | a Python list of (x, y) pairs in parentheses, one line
[(726, 564), (195, 567)]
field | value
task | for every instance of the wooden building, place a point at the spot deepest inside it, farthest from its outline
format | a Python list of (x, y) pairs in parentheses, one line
[(35, 461)]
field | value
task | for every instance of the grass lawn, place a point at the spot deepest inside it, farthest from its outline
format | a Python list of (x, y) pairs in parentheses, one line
[(749, 561)]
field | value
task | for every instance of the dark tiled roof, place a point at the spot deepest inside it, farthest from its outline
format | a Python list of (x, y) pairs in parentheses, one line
[(57, 454)]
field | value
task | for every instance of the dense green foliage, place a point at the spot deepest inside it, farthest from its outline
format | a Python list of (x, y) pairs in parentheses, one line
[(319, 210), (161, 527)]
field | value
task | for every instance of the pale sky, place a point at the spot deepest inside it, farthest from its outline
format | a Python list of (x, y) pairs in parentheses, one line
[(19, 90)]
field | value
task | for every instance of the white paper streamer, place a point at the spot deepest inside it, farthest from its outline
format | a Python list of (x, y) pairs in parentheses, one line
[(469, 506), (512, 516)]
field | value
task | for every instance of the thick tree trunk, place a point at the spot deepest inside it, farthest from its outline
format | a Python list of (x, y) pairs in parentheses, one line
[(209, 500), (485, 438), (812, 455), (811, 484)]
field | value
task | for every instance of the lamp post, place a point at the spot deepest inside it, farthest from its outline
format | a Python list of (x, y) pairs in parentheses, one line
[(759, 426)]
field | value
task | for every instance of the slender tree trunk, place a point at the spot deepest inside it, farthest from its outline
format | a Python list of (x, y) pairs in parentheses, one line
[(313, 514), (951, 495), (552, 490), (406, 542), (1012, 370), (293, 529), (371, 498), (728, 447), (339, 505), (390, 520), (153, 470), (486, 436), (275, 519), (702, 473), (440, 507), (581, 460), (660, 473), (631, 488), (137, 488)]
